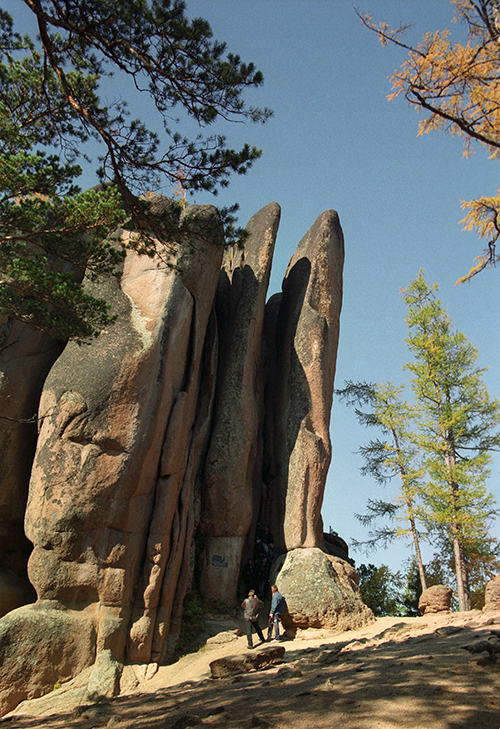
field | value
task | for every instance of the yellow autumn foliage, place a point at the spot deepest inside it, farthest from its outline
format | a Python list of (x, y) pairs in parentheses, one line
[(458, 85)]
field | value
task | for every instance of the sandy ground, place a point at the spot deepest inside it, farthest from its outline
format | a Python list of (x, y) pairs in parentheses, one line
[(396, 673)]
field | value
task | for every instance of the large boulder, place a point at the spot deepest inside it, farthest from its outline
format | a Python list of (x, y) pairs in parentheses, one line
[(321, 591), (492, 595), (436, 599), (229, 482), (302, 334), (40, 646), (336, 546)]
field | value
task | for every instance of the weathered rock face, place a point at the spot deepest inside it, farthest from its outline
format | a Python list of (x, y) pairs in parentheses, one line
[(492, 595), (302, 336), (111, 506), (270, 444), (336, 546), (201, 411), (436, 599), (321, 591), (26, 357), (229, 482)]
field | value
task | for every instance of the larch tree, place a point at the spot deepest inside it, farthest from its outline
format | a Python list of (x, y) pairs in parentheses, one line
[(457, 426), (381, 590), (52, 107), (392, 456), (457, 85)]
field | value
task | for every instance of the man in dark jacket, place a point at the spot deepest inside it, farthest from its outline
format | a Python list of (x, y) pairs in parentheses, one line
[(251, 607), (263, 574)]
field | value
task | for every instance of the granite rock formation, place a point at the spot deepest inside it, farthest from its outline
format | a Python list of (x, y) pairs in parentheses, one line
[(336, 546), (111, 508), (199, 413), (231, 665), (492, 595), (229, 475), (301, 338), (321, 591), (436, 599), (109, 512), (42, 645)]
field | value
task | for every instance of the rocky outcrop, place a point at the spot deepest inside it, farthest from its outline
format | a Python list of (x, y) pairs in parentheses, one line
[(200, 412), (492, 595), (336, 546), (270, 445), (41, 645), (436, 599), (111, 510), (321, 591), (230, 486), (301, 340)]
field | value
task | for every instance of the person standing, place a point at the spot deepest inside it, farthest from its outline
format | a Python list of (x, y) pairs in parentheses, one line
[(278, 607), (264, 571), (274, 552), (250, 575), (264, 538), (251, 606)]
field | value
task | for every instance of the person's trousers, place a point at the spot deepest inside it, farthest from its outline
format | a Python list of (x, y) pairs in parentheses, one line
[(275, 620), (257, 627)]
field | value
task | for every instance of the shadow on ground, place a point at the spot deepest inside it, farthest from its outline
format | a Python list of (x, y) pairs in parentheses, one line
[(394, 680)]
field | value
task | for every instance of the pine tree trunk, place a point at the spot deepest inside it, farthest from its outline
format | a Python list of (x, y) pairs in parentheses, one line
[(460, 565), (462, 577), (418, 555)]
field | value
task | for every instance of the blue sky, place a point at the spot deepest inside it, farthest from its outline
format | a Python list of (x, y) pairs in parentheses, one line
[(336, 142)]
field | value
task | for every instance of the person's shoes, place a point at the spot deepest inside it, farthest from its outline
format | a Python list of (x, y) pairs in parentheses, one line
[(276, 640), (250, 646)]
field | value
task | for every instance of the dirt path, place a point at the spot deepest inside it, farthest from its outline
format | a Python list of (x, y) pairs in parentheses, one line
[(396, 673)]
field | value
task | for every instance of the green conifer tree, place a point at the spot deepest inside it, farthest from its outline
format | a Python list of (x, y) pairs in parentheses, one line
[(51, 107), (381, 589), (392, 456), (456, 423)]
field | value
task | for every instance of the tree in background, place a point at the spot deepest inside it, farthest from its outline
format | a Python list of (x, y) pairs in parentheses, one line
[(483, 563), (459, 87), (438, 447), (412, 589), (395, 455), (380, 589), (51, 109), (456, 424)]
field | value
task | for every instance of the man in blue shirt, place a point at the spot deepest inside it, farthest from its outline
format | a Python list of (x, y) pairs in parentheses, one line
[(278, 607)]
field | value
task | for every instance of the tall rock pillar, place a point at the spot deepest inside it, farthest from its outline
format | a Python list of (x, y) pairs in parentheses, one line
[(229, 478), (302, 331)]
